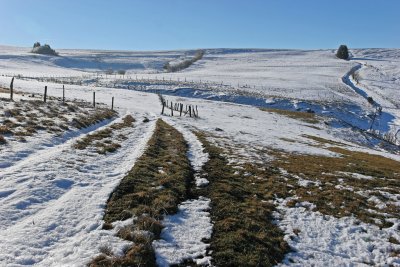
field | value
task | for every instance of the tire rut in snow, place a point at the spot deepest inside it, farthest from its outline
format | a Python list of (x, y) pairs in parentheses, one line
[(55, 168), (183, 240), (156, 184), (241, 210), (62, 200)]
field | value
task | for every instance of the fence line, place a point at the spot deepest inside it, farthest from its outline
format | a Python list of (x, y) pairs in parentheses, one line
[(178, 107)]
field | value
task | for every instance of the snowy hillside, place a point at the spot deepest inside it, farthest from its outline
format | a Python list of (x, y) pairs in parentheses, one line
[(288, 162)]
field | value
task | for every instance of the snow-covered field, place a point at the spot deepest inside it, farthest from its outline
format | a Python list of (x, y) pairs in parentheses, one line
[(52, 200)]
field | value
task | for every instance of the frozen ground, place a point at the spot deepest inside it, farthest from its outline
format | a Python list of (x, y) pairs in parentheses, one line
[(56, 196), (288, 79)]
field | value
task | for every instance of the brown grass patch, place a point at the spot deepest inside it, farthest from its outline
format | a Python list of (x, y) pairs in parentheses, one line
[(104, 144), (85, 121), (27, 117), (127, 121), (335, 191), (298, 115), (323, 140)]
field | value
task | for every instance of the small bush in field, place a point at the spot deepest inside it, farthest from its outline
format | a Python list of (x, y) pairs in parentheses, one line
[(43, 49)]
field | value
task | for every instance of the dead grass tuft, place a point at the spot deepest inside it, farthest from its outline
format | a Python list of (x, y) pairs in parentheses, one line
[(128, 121), (85, 121)]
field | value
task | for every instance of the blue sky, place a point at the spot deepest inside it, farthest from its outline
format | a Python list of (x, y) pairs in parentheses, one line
[(175, 24)]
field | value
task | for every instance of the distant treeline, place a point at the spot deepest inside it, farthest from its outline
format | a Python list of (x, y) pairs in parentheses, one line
[(184, 64)]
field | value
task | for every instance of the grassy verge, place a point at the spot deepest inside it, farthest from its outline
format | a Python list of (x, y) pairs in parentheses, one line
[(155, 186), (241, 210)]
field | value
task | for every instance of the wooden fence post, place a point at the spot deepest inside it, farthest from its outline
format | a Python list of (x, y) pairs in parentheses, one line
[(194, 112), (180, 111), (163, 105), (12, 89), (197, 112), (190, 111), (45, 94), (94, 99), (112, 103), (172, 110), (63, 94)]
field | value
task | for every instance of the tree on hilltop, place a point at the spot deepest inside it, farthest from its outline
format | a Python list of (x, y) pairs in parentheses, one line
[(343, 52)]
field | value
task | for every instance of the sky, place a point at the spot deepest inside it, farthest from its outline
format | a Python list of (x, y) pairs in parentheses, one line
[(190, 24)]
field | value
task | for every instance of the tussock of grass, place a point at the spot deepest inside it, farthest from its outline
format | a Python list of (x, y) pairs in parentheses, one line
[(298, 115), (127, 121), (147, 194), (108, 148), (244, 234), (90, 138)]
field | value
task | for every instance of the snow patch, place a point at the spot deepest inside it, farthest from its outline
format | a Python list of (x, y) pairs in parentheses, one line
[(183, 234), (322, 240)]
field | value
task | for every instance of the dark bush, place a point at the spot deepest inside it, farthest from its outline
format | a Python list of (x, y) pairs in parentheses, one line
[(370, 100), (43, 49), (342, 52)]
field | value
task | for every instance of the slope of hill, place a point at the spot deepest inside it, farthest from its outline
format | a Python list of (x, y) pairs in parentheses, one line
[(295, 167)]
